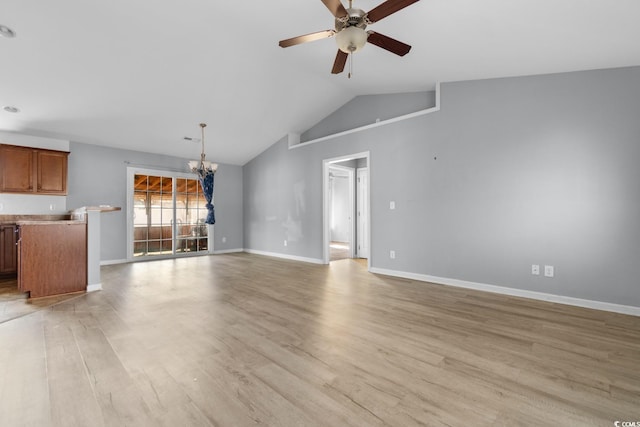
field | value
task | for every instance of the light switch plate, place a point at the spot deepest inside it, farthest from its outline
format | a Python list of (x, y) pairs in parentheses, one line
[(535, 269), (548, 271)]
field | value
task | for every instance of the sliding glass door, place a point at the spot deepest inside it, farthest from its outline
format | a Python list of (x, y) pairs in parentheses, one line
[(167, 214), (190, 216)]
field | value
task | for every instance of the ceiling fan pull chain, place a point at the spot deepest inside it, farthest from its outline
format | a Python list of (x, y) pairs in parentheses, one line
[(350, 65)]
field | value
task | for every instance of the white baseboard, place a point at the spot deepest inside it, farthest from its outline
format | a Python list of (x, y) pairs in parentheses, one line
[(285, 256), (143, 259), (227, 251), (114, 261), (597, 305), (94, 287)]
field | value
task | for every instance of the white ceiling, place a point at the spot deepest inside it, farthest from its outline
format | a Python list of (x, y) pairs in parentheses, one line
[(141, 75)]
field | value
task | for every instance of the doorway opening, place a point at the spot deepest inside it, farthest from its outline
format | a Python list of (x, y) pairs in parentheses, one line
[(346, 207), (341, 212)]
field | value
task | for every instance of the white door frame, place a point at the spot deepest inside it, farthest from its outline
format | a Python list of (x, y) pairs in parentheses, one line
[(326, 215), (361, 207)]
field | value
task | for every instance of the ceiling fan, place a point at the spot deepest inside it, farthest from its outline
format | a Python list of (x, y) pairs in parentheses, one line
[(351, 36)]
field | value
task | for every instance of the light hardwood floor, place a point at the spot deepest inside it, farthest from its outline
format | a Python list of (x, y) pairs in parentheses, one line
[(14, 303), (338, 251), (235, 340)]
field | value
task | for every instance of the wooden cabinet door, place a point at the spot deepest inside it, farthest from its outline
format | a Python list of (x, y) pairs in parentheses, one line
[(17, 174), (32, 170), (53, 259), (52, 172), (8, 251)]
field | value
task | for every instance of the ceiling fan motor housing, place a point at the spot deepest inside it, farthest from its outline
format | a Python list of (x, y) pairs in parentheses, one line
[(355, 18)]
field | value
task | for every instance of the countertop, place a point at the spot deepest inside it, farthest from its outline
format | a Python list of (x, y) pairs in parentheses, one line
[(13, 219), (76, 216), (51, 222)]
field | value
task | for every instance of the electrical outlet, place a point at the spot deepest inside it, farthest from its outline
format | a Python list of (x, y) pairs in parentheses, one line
[(392, 205), (224, 240), (548, 271), (535, 269), (392, 254), (52, 207), (285, 243)]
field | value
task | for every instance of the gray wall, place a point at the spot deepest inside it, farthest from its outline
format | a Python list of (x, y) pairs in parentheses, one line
[(510, 172), (98, 175)]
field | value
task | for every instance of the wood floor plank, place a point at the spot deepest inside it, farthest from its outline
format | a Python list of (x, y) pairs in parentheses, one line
[(117, 394), (24, 390), (264, 405), (213, 398), (310, 398), (67, 376)]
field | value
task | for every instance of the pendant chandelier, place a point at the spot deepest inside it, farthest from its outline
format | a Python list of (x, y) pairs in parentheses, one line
[(202, 167)]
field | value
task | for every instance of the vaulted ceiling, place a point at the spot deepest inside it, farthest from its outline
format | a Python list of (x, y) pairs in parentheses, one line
[(141, 75)]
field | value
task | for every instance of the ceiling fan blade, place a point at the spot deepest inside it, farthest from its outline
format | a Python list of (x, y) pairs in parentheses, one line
[(387, 43), (387, 8), (339, 63), (336, 7), (307, 38)]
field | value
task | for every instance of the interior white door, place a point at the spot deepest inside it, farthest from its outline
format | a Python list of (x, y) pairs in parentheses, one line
[(362, 194)]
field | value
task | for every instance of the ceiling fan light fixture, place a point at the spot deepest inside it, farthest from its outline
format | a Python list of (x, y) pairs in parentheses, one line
[(351, 39), (350, 24)]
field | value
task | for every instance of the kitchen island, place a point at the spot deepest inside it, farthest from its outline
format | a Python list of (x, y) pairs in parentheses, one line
[(52, 257)]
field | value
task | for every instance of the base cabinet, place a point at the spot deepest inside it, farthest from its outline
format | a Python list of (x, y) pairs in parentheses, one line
[(8, 250), (52, 258)]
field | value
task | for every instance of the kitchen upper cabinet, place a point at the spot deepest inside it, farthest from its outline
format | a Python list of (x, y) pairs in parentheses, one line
[(33, 170), (17, 169), (51, 171)]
